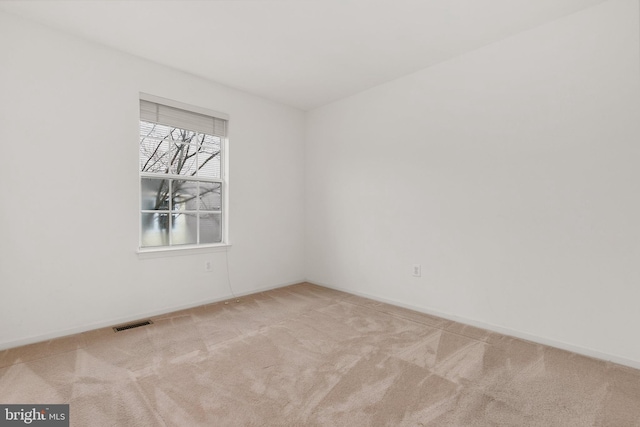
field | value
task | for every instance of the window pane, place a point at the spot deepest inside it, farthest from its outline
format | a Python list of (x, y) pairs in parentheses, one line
[(155, 229), (210, 196), (164, 132), (209, 156), (155, 194), (166, 149), (182, 135), (185, 208), (154, 130), (154, 155), (185, 195), (185, 229), (183, 159), (210, 228)]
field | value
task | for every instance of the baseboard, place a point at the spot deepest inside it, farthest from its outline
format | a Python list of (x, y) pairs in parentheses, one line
[(495, 328), (134, 317)]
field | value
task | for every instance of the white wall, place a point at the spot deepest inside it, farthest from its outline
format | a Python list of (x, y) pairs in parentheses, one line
[(68, 216), (510, 173)]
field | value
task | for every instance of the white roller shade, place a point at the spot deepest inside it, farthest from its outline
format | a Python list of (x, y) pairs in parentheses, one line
[(171, 116)]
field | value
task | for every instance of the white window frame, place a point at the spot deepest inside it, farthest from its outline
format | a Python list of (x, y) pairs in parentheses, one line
[(223, 180)]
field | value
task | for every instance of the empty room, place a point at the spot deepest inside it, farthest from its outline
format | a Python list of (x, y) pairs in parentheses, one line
[(320, 213)]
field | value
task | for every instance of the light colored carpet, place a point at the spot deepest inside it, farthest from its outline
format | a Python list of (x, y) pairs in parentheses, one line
[(309, 356)]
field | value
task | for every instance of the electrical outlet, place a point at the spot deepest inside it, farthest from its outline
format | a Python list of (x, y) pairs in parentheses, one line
[(416, 271), (208, 266)]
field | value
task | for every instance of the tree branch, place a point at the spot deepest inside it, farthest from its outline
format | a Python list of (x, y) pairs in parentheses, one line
[(205, 162)]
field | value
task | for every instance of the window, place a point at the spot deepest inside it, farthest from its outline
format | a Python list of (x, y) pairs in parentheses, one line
[(182, 184)]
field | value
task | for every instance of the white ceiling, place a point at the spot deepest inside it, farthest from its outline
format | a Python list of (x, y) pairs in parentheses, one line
[(304, 53)]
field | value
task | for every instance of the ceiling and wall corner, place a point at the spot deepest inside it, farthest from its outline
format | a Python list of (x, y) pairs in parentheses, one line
[(301, 53)]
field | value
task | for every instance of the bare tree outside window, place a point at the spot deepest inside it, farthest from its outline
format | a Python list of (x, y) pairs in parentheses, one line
[(181, 186)]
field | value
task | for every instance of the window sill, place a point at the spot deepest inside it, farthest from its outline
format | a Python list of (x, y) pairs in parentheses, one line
[(180, 250)]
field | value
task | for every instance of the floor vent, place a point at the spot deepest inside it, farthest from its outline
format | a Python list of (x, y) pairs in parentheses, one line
[(131, 326)]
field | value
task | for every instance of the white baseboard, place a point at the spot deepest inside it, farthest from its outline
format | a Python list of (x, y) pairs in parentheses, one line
[(133, 317), (494, 328)]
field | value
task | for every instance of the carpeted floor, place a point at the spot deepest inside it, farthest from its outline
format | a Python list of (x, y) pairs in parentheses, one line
[(309, 356)]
